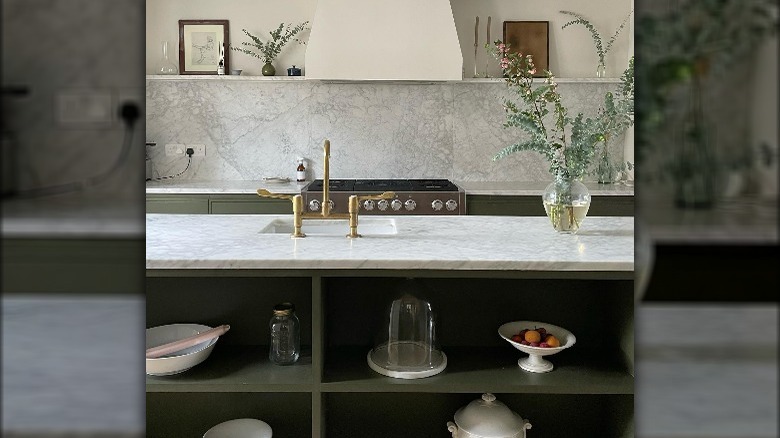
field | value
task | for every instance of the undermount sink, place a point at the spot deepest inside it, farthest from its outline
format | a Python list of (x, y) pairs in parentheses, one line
[(334, 227)]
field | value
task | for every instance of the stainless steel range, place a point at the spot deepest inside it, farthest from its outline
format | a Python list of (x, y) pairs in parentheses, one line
[(412, 196)]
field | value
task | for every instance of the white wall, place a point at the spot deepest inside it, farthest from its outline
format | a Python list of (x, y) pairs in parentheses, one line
[(572, 53)]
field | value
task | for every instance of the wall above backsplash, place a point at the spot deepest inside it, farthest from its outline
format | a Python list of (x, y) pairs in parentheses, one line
[(255, 127), (572, 52)]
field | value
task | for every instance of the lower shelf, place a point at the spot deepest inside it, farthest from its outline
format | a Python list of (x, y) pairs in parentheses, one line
[(192, 414), (238, 369)]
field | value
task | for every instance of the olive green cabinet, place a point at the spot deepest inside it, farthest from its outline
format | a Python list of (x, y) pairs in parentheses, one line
[(73, 265), (494, 205), (332, 391), (216, 204)]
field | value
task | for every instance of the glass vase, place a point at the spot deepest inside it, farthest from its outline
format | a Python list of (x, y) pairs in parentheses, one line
[(601, 70), (566, 202), (166, 66), (606, 171), (695, 171)]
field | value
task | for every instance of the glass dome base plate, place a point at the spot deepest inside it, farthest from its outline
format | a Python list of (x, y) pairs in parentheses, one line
[(401, 373)]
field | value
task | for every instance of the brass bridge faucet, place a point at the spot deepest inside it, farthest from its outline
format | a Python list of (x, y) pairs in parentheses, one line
[(297, 203)]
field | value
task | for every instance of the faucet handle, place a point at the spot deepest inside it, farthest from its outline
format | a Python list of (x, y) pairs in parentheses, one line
[(384, 195), (263, 193)]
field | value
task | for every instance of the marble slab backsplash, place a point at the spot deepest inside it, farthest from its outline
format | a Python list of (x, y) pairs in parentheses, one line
[(256, 128)]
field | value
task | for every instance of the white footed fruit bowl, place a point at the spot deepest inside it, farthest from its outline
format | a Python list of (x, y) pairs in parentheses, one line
[(535, 363), (179, 361)]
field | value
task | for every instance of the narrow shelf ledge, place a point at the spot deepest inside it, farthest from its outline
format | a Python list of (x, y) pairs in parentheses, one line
[(368, 81)]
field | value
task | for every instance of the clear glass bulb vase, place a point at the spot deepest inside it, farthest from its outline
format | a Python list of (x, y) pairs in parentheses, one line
[(166, 66), (566, 202)]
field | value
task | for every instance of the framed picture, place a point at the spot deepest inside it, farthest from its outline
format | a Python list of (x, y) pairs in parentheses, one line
[(530, 37), (201, 42)]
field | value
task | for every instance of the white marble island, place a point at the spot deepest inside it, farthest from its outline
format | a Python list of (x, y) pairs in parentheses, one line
[(420, 242), (477, 272)]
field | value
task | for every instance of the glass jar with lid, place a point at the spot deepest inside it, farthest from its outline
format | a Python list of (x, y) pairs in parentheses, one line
[(285, 328)]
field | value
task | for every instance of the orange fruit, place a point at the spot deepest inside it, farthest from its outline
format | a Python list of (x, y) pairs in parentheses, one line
[(532, 336), (552, 341)]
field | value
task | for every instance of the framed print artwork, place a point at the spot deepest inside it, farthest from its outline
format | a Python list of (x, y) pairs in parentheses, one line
[(530, 37), (201, 42)]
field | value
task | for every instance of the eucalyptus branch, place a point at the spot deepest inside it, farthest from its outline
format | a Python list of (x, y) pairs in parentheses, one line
[(268, 51), (600, 50)]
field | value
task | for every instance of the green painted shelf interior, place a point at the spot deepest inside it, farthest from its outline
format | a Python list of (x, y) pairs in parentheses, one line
[(332, 391)]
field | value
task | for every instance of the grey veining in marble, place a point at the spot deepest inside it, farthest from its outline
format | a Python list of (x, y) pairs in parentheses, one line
[(255, 128), (421, 242), (80, 47), (498, 188)]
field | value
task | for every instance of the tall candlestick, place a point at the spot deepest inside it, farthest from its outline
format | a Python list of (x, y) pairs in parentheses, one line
[(487, 61), (476, 42)]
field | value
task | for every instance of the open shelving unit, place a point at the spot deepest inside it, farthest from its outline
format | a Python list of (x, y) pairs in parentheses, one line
[(332, 392)]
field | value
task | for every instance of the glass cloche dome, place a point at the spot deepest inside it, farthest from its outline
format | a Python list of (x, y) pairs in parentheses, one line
[(407, 348)]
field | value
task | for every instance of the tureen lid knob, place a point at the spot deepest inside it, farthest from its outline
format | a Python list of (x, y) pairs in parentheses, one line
[(488, 397)]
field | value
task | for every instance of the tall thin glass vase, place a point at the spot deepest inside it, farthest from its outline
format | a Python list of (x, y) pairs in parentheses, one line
[(695, 170), (166, 66)]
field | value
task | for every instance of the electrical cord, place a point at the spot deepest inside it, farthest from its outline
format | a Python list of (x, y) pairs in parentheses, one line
[(190, 152), (129, 113)]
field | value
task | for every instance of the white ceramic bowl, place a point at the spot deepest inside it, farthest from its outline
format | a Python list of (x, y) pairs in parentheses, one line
[(534, 362), (179, 361), (240, 428)]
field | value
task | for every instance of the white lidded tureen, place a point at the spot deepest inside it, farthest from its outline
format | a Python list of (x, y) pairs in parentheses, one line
[(487, 418)]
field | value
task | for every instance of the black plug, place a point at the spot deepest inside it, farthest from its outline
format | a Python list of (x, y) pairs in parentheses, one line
[(129, 112), (190, 152)]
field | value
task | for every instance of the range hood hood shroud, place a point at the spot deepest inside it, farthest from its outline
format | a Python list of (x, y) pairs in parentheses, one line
[(384, 40)]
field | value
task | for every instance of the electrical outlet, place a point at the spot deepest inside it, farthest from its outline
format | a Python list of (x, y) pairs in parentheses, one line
[(200, 149), (93, 107), (175, 150)]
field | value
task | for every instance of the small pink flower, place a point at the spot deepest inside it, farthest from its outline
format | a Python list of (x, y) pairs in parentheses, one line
[(502, 47), (504, 65), (532, 71)]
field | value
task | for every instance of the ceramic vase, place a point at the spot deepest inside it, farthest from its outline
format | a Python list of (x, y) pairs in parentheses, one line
[(268, 69)]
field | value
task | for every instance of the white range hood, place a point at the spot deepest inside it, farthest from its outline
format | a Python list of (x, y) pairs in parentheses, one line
[(384, 40)]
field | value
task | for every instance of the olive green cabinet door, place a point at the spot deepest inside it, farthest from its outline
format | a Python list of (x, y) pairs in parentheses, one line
[(177, 204), (250, 206), (532, 205)]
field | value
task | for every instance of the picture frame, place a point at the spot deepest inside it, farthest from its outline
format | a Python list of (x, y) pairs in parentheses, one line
[(200, 42), (530, 37)]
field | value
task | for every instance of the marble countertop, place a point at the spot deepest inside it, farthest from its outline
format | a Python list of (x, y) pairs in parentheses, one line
[(496, 188), (73, 216), (747, 220), (422, 242)]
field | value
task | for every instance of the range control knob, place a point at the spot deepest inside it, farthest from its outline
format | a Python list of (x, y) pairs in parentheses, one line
[(368, 204), (451, 205), (382, 204), (410, 204), (437, 205), (395, 204), (314, 205)]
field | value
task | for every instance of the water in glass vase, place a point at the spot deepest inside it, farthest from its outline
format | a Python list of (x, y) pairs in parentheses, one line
[(566, 218)]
